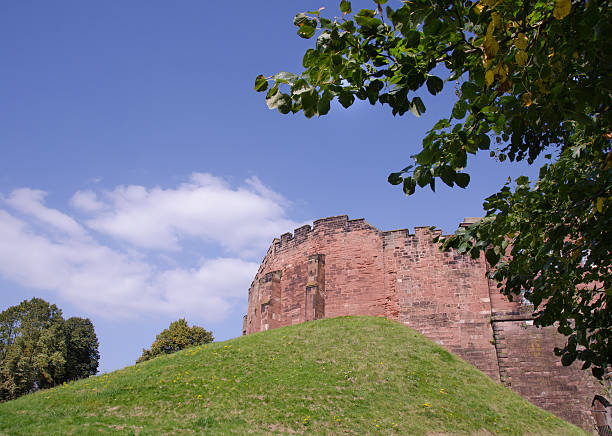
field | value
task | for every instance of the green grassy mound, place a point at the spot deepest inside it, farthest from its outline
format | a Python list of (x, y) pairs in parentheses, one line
[(352, 375)]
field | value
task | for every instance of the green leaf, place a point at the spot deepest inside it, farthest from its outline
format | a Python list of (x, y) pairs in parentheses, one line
[(285, 77), (349, 26), (483, 141), (412, 37), (310, 58), (568, 358), (324, 103), (345, 7), (409, 186), (346, 98), (326, 23), (272, 91), (432, 25), (460, 109), (372, 90), (462, 179), (492, 257), (300, 19), (306, 31), (309, 101), (368, 13), (447, 174), (597, 372), (425, 157), (277, 100), (366, 21), (459, 160), (423, 177), (395, 178), (522, 180), (468, 90), (441, 124), (417, 107), (261, 83), (434, 84)]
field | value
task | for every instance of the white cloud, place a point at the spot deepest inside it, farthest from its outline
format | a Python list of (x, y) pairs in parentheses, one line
[(241, 220), (86, 201), (29, 201), (103, 280)]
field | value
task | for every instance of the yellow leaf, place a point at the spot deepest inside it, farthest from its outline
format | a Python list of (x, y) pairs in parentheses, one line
[(600, 202), (502, 71), (521, 58), (489, 77), (478, 7), (490, 28), (526, 99), (492, 3), (562, 9), (496, 19), (540, 84), (521, 41), (491, 46)]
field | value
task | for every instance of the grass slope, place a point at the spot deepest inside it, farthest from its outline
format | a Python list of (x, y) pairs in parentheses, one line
[(351, 375)]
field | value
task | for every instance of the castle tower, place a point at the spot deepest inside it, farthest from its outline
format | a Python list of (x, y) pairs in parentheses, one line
[(344, 267)]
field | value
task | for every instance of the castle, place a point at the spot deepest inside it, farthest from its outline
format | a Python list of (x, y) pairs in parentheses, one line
[(348, 267)]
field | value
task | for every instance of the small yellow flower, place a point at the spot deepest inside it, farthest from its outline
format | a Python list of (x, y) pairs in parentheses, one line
[(426, 404), (199, 396)]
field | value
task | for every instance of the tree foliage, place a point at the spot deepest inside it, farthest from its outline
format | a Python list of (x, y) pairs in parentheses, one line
[(38, 349), (81, 348), (177, 336), (532, 79)]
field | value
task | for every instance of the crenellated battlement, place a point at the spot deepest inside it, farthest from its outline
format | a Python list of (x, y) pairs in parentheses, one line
[(329, 225), (341, 223)]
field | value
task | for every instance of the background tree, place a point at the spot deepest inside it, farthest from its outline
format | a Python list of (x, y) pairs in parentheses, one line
[(177, 336), (38, 349), (82, 354), (532, 78)]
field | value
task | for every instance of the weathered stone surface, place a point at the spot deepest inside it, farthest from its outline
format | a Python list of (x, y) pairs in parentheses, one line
[(348, 267)]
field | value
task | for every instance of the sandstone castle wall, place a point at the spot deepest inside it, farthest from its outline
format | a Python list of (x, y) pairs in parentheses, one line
[(348, 267)]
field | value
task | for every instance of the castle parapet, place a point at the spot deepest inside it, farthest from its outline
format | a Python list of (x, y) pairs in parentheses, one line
[(302, 232), (328, 225), (331, 223)]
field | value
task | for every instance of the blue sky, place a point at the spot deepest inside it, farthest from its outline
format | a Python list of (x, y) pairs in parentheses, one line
[(142, 179)]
